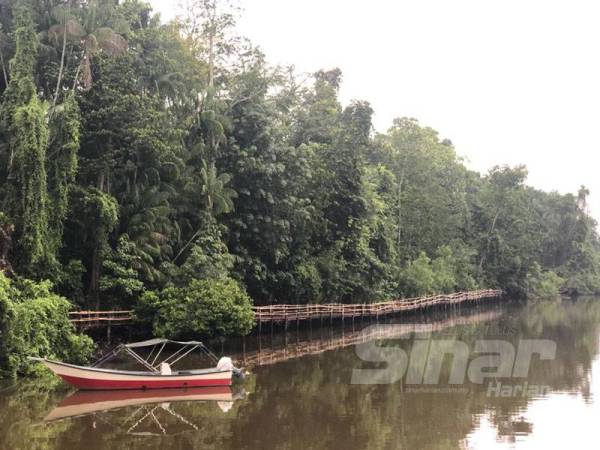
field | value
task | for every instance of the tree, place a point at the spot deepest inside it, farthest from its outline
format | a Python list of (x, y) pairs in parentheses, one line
[(25, 119), (66, 29), (430, 199), (318, 120), (94, 215), (94, 37), (419, 277), (137, 157), (543, 284), (582, 196), (217, 196)]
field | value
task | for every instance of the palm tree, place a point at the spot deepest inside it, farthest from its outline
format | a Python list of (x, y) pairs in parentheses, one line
[(90, 36), (145, 218), (97, 37), (101, 39), (217, 196), (582, 196), (66, 28)]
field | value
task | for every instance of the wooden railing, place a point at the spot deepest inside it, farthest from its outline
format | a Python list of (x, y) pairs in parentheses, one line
[(297, 313), (287, 313), (92, 319)]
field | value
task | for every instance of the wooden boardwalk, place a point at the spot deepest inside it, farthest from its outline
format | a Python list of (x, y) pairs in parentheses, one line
[(297, 313), (99, 319), (285, 314)]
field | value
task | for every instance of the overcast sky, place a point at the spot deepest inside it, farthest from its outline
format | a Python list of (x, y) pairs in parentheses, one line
[(508, 81)]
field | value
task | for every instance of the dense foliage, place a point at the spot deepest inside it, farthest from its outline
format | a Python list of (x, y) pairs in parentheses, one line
[(204, 308), (137, 157), (35, 322)]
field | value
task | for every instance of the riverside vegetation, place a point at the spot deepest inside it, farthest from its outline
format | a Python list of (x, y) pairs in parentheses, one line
[(171, 169)]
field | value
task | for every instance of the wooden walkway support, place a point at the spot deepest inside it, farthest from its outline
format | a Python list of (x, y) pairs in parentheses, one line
[(297, 313)]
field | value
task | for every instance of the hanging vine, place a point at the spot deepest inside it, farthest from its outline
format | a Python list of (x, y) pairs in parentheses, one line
[(29, 135), (30, 150), (62, 162)]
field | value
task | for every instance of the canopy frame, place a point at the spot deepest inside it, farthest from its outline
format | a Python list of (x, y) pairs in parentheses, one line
[(153, 362)]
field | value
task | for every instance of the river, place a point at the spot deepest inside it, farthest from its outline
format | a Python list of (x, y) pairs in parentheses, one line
[(302, 391)]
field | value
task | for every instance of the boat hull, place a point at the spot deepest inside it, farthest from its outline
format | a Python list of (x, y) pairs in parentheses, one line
[(101, 379)]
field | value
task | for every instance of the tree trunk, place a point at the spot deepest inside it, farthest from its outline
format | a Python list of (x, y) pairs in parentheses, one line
[(75, 81), (489, 240), (400, 186), (101, 179), (62, 67), (184, 248), (4, 69), (5, 247), (94, 289), (211, 46)]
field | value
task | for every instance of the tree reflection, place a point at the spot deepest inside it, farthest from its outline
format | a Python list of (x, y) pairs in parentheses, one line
[(308, 402)]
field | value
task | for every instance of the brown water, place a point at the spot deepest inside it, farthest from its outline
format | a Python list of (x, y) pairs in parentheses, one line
[(299, 395)]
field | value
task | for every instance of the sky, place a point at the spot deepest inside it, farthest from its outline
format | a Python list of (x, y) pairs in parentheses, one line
[(507, 81)]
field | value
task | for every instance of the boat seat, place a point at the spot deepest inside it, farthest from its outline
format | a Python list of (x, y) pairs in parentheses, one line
[(165, 369)]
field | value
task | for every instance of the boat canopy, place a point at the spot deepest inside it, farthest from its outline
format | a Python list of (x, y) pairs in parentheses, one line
[(153, 342), (153, 361)]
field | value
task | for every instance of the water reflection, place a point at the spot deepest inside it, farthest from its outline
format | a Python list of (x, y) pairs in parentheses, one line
[(301, 396), (295, 345), (83, 403)]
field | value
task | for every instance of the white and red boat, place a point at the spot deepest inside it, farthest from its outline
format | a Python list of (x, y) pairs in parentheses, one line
[(158, 374)]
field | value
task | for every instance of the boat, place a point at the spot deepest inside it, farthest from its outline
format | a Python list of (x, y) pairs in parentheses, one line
[(158, 374), (85, 403)]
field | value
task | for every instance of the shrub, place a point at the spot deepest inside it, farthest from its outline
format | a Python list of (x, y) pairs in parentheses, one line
[(204, 308), (450, 271), (307, 284), (543, 284), (35, 322), (207, 258), (444, 271), (419, 278)]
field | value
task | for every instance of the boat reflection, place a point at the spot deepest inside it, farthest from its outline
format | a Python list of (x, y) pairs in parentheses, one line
[(148, 405)]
